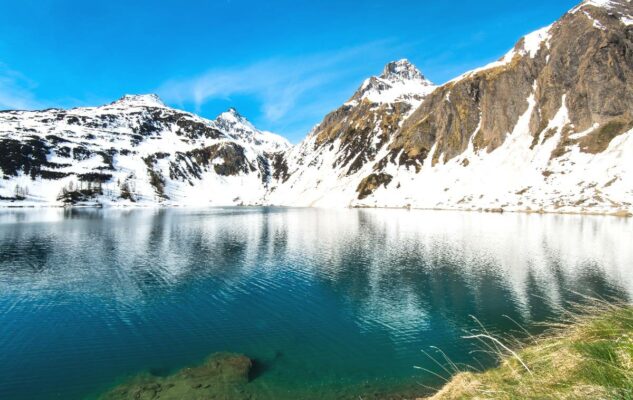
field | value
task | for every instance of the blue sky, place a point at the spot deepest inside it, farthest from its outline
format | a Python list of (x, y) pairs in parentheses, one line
[(283, 64)]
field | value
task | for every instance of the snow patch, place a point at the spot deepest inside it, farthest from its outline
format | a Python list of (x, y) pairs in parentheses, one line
[(596, 23), (532, 42), (138, 100)]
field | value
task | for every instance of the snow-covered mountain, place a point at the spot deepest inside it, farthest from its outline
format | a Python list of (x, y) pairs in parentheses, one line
[(549, 126), (135, 150), (327, 167)]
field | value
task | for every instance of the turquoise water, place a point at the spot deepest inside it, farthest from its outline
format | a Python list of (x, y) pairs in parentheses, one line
[(330, 303)]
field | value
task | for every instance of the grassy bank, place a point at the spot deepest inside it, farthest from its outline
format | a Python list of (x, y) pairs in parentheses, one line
[(589, 357)]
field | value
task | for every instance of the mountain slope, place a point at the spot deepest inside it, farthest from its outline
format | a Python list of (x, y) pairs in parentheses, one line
[(548, 126), (326, 167), (135, 150)]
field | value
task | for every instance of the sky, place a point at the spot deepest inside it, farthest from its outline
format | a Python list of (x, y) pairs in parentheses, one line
[(282, 64)]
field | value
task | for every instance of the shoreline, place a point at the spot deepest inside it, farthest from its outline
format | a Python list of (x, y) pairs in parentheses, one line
[(621, 213)]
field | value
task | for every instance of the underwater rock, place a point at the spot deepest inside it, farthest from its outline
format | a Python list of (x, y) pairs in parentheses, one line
[(221, 376)]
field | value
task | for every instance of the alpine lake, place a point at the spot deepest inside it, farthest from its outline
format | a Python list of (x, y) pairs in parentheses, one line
[(283, 303)]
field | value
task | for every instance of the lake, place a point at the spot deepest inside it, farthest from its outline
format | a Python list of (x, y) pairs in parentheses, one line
[(329, 303)]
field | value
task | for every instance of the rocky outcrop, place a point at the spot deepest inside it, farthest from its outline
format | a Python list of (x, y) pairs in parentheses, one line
[(369, 184), (585, 58)]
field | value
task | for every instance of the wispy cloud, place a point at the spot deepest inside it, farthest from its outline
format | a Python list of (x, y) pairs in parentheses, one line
[(280, 85), (16, 90)]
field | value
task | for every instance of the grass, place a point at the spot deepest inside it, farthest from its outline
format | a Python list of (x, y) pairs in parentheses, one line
[(589, 356)]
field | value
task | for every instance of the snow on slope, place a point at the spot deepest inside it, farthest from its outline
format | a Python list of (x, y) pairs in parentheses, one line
[(515, 178), (132, 151), (530, 44), (242, 129)]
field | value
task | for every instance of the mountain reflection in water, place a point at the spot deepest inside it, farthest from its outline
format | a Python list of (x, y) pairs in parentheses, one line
[(325, 300)]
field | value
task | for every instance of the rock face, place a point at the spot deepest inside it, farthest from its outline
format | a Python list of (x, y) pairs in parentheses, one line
[(135, 150), (584, 59), (222, 376), (549, 127)]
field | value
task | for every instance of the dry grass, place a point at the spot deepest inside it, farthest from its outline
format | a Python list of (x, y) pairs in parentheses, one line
[(589, 356)]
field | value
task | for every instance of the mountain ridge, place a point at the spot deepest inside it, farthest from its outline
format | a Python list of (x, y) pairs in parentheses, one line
[(134, 150), (549, 121), (547, 127)]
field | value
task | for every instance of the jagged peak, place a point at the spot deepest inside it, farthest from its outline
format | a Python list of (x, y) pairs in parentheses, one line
[(401, 70), (232, 116), (236, 125), (232, 120), (140, 100), (399, 81), (232, 111)]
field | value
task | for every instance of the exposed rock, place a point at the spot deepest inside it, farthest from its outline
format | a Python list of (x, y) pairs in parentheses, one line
[(352, 139), (368, 185), (591, 67), (280, 166)]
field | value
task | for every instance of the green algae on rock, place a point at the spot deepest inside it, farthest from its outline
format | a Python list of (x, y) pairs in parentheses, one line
[(221, 376)]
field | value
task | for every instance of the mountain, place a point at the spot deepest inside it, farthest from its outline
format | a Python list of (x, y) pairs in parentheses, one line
[(134, 150), (326, 168), (549, 126)]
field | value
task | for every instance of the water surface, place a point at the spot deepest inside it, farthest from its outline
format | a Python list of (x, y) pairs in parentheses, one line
[(330, 303)]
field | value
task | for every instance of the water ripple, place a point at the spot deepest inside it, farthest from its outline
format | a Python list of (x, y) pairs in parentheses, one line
[(323, 299)]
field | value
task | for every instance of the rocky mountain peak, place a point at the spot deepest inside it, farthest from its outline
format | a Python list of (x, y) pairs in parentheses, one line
[(400, 81), (233, 113), (140, 100), (401, 70), (601, 3), (232, 122), (232, 117)]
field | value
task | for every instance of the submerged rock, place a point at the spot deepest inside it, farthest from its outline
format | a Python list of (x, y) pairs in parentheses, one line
[(221, 376)]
